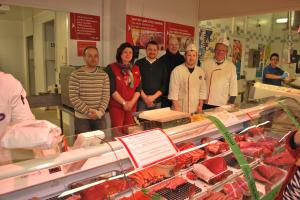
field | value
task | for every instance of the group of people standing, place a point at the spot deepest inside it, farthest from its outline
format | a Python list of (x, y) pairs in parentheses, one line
[(173, 80)]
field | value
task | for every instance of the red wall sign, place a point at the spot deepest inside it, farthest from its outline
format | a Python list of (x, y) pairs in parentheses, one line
[(140, 30), (82, 44), (185, 34), (84, 27)]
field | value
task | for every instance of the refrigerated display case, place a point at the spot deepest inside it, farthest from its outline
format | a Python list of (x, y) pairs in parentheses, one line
[(233, 161)]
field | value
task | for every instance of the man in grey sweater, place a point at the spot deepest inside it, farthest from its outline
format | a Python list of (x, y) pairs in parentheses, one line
[(89, 93)]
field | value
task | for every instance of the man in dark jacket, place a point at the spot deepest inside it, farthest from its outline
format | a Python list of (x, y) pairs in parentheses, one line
[(153, 75), (172, 58)]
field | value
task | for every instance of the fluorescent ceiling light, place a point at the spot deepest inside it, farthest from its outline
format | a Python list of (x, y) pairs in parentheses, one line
[(281, 20)]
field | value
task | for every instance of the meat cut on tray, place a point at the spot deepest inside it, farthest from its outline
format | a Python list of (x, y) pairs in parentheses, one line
[(269, 175), (147, 176), (215, 148), (212, 170), (188, 158), (281, 159), (237, 188), (105, 190)]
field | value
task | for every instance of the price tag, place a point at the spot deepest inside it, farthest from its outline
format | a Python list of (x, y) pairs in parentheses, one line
[(148, 147)]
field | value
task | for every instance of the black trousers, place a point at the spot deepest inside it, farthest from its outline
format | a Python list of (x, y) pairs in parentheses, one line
[(207, 106)]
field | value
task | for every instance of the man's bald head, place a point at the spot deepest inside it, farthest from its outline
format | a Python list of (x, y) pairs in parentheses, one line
[(173, 45)]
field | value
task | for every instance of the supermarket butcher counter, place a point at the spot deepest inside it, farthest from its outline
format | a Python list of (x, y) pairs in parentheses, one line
[(228, 153)]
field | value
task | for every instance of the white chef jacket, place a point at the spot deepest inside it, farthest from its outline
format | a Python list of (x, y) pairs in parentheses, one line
[(14, 106), (187, 88), (221, 81)]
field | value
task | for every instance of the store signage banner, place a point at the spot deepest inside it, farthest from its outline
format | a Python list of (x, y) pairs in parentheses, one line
[(82, 44), (148, 148), (184, 34), (140, 30), (84, 27)]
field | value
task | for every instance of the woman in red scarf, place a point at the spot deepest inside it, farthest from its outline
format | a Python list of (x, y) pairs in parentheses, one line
[(125, 86)]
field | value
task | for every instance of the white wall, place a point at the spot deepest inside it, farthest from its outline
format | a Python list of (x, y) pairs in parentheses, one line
[(11, 49), (39, 54)]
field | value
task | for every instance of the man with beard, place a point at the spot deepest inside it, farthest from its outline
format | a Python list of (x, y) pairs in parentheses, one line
[(153, 75)]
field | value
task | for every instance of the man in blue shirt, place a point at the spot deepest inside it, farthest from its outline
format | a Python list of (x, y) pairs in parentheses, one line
[(273, 75)]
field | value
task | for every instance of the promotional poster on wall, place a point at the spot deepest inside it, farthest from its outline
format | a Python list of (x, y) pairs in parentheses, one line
[(207, 41), (84, 27), (184, 34), (237, 50), (140, 30)]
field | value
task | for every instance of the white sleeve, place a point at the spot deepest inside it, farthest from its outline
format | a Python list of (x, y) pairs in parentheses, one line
[(233, 90), (174, 86), (20, 109)]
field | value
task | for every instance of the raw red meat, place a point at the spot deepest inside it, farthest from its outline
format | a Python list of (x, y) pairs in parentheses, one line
[(189, 158), (215, 148), (102, 191), (243, 144), (215, 196), (237, 188), (256, 131), (169, 184), (233, 190), (216, 165), (191, 175), (252, 151), (240, 137), (258, 177), (268, 174), (147, 177), (137, 196), (266, 151), (280, 159), (242, 184)]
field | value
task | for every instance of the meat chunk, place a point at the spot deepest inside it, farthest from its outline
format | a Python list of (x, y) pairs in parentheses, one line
[(215, 148), (252, 151), (280, 159), (268, 174)]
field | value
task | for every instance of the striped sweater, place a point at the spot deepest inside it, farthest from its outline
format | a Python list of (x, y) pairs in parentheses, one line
[(89, 90)]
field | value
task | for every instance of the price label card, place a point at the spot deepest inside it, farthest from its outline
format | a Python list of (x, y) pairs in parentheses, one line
[(148, 147)]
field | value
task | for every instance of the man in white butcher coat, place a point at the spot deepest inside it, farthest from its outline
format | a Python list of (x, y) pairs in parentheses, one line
[(14, 107), (187, 89), (221, 78)]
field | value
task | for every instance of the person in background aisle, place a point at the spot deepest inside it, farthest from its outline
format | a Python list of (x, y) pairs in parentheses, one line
[(153, 75), (221, 78), (272, 74), (187, 86), (290, 189), (125, 86), (89, 93), (171, 58)]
